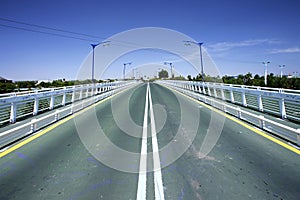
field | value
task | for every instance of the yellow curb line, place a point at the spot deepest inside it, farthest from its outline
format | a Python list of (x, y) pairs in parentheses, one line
[(259, 132), (51, 127)]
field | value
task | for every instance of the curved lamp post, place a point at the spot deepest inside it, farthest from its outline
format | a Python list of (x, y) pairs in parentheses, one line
[(266, 71), (124, 68), (187, 43), (104, 43)]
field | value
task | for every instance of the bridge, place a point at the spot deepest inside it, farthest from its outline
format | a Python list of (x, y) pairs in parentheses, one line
[(150, 140)]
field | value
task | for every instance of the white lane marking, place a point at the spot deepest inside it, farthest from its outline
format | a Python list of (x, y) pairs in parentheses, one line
[(159, 190), (141, 191)]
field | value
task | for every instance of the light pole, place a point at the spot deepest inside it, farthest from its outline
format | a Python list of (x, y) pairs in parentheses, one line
[(124, 68), (266, 71), (171, 65), (281, 68), (93, 59), (187, 43), (134, 72)]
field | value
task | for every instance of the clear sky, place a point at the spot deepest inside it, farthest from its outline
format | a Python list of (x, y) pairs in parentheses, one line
[(238, 34)]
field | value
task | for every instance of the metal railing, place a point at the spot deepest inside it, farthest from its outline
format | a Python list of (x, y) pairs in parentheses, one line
[(280, 102), (14, 106), (281, 130), (11, 135)]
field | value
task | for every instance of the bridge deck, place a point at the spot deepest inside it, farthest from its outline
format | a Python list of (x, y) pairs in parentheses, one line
[(241, 165)]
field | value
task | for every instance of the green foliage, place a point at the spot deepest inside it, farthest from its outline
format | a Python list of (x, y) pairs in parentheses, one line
[(163, 74), (248, 79), (26, 84), (7, 87), (29, 85)]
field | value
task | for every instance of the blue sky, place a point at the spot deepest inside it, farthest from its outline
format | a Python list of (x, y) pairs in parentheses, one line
[(238, 34)]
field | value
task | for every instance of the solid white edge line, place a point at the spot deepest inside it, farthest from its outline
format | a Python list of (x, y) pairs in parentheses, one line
[(142, 181), (158, 183)]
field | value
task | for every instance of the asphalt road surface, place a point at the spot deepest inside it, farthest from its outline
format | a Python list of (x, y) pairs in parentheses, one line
[(203, 154)]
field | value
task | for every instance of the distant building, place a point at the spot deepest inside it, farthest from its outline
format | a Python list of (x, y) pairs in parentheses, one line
[(4, 80)]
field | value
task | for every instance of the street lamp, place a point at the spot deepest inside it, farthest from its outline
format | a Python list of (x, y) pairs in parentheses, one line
[(124, 68), (266, 71), (134, 72), (171, 65), (104, 43), (281, 68), (187, 43)]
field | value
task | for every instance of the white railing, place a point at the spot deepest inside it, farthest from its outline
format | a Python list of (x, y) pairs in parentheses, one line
[(280, 102), (283, 131), (14, 106), (12, 135)]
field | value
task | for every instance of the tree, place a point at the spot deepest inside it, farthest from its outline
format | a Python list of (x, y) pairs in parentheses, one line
[(7, 87), (248, 79), (26, 84), (163, 74)]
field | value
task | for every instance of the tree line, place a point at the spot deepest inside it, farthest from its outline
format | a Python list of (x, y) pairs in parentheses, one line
[(243, 79), (256, 80), (7, 87)]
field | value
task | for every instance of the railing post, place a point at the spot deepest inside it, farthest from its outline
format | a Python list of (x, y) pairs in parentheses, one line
[(239, 113), (13, 112), (262, 123), (36, 105), (63, 101), (87, 92), (231, 94), (92, 90), (222, 93), (259, 100), (203, 88), (244, 101), (51, 106), (208, 90), (81, 92), (260, 104), (56, 116), (282, 108), (33, 125), (73, 94), (96, 89), (199, 88), (215, 91)]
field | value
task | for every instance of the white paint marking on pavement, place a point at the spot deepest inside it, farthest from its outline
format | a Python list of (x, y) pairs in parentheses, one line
[(141, 191), (159, 190)]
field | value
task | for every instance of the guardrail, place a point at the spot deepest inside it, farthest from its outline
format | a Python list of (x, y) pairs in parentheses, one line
[(283, 131), (14, 106), (11, 135), (280, 102)]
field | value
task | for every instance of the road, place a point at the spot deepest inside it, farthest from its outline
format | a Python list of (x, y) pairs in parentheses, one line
[(61, 164)]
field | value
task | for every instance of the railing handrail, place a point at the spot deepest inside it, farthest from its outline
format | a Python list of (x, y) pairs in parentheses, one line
[(13, 99), (252, 87), (293, 133), (51, 88), (34, 121)]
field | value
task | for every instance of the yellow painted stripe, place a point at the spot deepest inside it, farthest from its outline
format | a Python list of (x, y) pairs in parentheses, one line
[(17, 146), (259, 132)]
